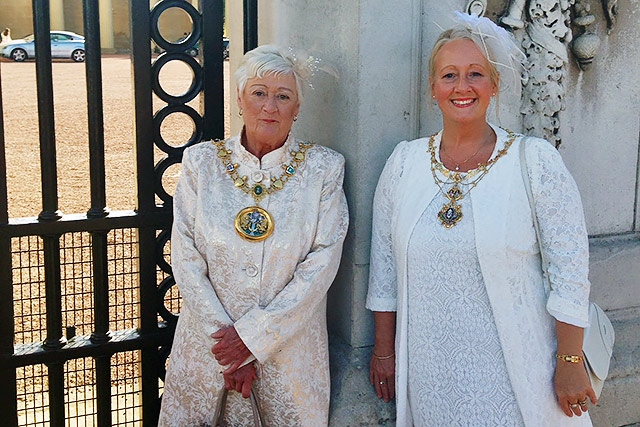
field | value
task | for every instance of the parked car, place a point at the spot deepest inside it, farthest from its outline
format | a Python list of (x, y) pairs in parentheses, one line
[(64, 44)]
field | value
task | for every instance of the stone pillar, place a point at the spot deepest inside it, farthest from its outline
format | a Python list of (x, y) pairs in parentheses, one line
[(56, 10), (375, 46), (381, 50), (106, 27)]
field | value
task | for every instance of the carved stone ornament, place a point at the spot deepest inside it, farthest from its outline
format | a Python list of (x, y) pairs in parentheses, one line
[(586, 45), (476, 7), (544, 42), (610, 12), (547, 25)]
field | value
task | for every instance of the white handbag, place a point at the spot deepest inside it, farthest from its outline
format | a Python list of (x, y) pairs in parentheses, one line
[(599, 337), (598, 346)]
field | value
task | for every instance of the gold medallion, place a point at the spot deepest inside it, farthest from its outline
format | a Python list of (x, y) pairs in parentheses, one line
[(254, 224)]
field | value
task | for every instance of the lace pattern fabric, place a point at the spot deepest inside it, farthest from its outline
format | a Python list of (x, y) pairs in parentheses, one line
[(457, 374), (273, 291)]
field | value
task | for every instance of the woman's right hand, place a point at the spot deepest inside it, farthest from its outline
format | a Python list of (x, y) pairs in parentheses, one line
[(229, 350), (382, 374), (382, 369)]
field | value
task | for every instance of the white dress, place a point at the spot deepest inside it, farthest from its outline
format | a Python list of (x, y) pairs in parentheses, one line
[(457, 373), (273, 291), (500, 246)]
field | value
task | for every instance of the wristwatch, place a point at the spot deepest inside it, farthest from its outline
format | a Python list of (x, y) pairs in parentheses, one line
[(570, 358)]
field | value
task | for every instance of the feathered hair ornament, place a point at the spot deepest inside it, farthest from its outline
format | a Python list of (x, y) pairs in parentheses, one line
[(306, 66), (499, 45)]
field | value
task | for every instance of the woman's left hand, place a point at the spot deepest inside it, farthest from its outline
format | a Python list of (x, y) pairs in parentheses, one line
[(573, 388), (241, 380), (230, 350), (382, 375)]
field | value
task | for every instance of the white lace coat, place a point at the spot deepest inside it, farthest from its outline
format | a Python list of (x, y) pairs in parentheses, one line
[(509, 261), (273, 292)]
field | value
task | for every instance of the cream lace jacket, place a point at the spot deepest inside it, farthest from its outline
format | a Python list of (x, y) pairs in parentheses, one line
[(509, 259), (272, 291)]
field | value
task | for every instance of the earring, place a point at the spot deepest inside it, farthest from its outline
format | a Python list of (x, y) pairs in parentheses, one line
[(240, 112), (295, 118)]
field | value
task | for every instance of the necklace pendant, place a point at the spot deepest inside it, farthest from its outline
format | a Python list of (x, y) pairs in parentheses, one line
[(450, 214), (254, 224), (455, 193)]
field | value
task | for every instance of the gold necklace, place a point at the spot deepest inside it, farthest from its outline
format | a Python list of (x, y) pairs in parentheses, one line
[(443, 151), (451, 212), (255, 223)]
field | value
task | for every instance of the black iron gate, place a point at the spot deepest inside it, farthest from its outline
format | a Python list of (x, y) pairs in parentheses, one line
[(87, 302)]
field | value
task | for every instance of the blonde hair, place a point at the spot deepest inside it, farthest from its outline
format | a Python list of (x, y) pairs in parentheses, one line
[(458, 33)]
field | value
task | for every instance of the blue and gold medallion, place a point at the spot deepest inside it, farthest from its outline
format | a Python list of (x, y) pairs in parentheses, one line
[(254, 224)]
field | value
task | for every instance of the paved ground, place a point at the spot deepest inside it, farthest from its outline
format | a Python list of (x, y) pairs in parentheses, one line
[(19, 101)]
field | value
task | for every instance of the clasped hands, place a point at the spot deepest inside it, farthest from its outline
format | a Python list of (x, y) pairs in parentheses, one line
[(230, 351)]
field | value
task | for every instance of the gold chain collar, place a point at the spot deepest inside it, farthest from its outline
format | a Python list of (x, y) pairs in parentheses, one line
[(451, 212), (258, 190), (254, 223)]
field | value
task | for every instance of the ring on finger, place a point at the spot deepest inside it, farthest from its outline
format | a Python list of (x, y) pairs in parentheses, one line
[(382, 383), (574, 405), (583, 402)]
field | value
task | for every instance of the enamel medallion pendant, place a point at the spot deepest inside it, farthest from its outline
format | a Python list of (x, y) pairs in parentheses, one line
[(450, 214), (254, 224)]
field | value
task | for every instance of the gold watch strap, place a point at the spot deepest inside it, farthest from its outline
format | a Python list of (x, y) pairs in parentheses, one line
[(570, 358)]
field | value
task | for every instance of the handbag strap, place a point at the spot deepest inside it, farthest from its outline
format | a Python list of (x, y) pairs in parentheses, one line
[(527, 185), (255, 409), (222, 404)]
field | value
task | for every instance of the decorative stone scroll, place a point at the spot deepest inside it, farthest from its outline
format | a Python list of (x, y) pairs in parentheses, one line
[(546, 37), (544, 42)]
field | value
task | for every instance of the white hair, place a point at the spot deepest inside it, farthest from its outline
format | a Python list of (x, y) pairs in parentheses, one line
[(272, 59)]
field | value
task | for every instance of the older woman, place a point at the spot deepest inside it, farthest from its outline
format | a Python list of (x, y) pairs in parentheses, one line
[(259, 222), (464, 331)]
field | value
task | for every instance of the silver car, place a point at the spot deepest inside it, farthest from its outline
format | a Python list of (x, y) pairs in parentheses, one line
[(64, 44)]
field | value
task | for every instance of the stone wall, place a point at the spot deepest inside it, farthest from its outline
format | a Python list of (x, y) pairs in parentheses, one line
[(380, 49)]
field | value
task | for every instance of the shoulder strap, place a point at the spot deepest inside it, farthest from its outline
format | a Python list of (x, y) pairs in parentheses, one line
[(527, 185)]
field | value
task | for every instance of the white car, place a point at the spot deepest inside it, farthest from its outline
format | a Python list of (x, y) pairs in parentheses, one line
[(64, 44)]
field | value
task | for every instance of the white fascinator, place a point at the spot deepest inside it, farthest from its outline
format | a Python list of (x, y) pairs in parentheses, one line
[(499, 45)]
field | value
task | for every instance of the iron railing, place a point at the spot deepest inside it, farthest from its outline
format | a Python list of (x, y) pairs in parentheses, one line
[(87, 302)]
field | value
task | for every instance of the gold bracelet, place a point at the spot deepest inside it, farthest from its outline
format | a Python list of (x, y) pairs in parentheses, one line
[(570, 358), (383, 357)]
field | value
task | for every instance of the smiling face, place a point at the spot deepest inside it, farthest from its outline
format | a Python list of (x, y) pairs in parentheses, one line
[(269, 104), (462, 82)]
